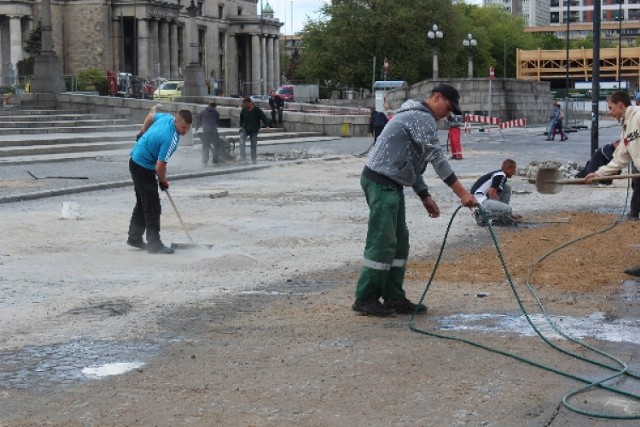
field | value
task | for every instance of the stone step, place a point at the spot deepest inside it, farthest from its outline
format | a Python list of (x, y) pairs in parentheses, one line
[(18, 111), (27, 158), (53, 138), (66, 117), (69, 129), (62, 123), (64, 148), (30, 147)]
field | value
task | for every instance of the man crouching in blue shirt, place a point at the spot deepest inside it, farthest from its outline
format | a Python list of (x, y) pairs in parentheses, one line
[(156, 142)]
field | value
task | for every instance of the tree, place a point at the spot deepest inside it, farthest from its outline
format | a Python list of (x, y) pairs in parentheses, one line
[(340, 46), (33, 44)]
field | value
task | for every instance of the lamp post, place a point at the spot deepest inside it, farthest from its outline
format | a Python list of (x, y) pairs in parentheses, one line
[(469, 44), (620, 18), (261, 50), (435, 35)]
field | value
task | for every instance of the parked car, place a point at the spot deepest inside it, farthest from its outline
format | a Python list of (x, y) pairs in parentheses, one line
[(168, 91), (256, 98), (286, 92)]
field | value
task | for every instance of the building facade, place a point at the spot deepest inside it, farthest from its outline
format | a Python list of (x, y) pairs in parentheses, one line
[(534, 12), (238, 48)]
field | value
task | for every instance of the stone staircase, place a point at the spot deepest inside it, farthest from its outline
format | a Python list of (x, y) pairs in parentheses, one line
[(30, 136)]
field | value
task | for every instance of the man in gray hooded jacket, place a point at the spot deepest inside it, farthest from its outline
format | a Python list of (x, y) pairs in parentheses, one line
[(398, 159)]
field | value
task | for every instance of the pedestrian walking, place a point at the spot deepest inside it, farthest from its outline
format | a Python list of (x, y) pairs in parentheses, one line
[(377, 121), (398, 159), (455, 122), (157, 141)]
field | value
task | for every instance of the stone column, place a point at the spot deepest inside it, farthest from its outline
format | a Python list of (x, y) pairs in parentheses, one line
[(270, 79), (164, 52), (231, 66), (255, 64), (154, 56), (116, 45), (263, 65), (214, 51), (173, 50), (276, 62), (15, 29), (143, 49)]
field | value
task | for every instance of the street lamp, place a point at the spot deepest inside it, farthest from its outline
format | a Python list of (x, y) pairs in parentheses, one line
[(435, 35), (619, 18), (469, 44), (261, 53)]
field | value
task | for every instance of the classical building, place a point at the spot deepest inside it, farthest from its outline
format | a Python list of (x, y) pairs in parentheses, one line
[(237, 47)]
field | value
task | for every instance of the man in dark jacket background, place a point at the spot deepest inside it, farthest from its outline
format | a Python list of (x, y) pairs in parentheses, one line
[(377, 122), (208, 119), (277, 107), (250, 118)]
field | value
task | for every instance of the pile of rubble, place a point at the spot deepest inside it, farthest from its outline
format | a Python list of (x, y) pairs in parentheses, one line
[(569, 169)]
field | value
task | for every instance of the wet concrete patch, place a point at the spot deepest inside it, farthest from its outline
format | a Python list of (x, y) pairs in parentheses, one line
[(43, 367), (597, 325)]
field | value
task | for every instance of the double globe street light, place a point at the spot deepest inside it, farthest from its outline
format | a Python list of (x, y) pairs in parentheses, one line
[(470, 44), (435, 35)]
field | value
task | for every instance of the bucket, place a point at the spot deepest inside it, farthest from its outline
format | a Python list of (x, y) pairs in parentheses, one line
[(71, 210)]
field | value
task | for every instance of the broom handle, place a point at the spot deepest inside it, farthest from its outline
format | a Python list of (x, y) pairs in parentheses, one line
[(595, 179), (175, 208)]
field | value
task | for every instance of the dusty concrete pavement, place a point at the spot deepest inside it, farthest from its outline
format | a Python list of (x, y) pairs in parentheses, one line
[(259, 330)]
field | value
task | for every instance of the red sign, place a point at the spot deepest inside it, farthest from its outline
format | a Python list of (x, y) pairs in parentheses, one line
[(386, 65), (492, 73)]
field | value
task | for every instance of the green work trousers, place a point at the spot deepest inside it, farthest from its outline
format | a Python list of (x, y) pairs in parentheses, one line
[(387, 247)]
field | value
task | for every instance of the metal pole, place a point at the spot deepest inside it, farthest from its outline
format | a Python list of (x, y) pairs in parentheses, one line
[(595, 93), (373, 74), (566, 86), (620, 17), (261, 53), (504, 59)]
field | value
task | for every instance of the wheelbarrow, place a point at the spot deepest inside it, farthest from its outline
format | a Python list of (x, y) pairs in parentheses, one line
[(550, 181)]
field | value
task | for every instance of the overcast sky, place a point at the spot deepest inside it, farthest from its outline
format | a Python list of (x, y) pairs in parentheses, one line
[(301, 10)]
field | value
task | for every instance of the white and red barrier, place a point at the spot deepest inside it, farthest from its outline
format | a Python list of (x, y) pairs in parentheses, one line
[(514, 123), (476, 118)]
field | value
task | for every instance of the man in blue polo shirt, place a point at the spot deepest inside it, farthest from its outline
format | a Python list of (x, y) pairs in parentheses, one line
[(156, 142)]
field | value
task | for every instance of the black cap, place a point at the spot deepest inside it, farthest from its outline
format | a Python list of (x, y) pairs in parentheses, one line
[(451, 94)]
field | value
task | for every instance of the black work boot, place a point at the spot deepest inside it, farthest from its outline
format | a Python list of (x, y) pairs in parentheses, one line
[(137, 243), (633, 271), (404, 306), (157, 247), (372, 307)]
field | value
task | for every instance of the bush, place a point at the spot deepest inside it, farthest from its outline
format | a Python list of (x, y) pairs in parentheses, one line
[(89, 80)]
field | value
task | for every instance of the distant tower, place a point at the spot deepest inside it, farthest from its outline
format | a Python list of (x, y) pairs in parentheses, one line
[(267, 11)]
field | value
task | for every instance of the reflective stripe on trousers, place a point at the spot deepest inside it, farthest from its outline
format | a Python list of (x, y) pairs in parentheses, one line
[(382, 266)]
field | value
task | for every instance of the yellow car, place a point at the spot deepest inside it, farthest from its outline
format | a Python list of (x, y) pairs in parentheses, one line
[(168, 91)]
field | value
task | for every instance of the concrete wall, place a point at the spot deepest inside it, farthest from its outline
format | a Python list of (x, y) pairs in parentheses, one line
[(510, 98), (229, 108)]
